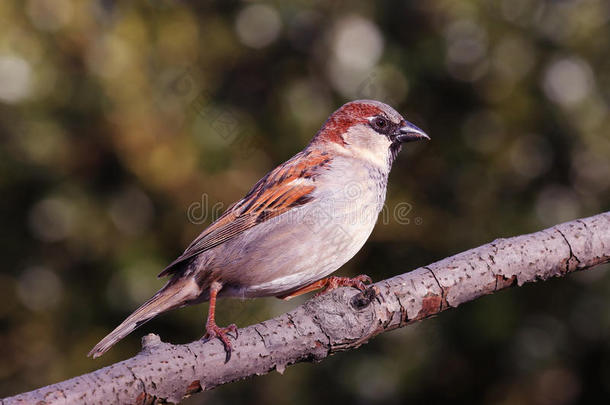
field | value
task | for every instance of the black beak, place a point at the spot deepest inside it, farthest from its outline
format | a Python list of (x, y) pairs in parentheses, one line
[(409, 133)]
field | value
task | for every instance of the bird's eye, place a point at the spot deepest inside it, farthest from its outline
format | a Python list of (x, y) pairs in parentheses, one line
[(379, 124)]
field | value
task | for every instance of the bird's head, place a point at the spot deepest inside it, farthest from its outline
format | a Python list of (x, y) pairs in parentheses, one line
[(368, 129)]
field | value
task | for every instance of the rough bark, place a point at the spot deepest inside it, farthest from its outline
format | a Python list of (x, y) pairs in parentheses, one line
[(341, 320)]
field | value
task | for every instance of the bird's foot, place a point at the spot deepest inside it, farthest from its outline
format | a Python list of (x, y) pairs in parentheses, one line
[(329, 284), (214, 331), (333, 282)]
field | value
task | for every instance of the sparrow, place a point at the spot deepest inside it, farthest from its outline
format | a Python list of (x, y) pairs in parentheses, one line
[(296, 226)]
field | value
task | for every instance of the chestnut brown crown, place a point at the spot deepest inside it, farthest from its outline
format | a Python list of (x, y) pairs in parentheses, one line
[(383, 119)]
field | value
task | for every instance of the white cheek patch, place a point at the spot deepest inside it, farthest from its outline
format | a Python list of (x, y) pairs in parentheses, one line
[(365, 143)]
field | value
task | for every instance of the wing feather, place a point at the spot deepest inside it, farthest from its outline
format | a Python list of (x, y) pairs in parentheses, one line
[(288, 186)]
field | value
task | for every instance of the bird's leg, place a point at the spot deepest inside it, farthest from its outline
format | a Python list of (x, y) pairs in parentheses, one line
[(329, 284), (211, 329)]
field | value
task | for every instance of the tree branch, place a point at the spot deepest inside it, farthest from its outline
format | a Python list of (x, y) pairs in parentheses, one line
[(341, 320)]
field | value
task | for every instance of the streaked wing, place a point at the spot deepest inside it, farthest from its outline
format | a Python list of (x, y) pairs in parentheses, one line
[(287, 186)]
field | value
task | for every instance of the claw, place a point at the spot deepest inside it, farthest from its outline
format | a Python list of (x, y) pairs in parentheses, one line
[(233, 328), (215, 331), (359, 281)]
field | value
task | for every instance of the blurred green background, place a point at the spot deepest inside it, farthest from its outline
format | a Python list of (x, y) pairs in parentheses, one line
[(126, 128)]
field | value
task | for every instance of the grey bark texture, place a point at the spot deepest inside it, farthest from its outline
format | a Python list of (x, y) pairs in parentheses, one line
[(341, 320)]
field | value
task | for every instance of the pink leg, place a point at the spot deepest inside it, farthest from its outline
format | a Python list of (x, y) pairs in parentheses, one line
[(211, 329)]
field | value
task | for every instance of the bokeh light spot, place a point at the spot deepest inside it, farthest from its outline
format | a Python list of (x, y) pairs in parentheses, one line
[(356, 46), (568, 81), (15, 79), (39, 289), (258, 25), (52, 219), (357, 43)]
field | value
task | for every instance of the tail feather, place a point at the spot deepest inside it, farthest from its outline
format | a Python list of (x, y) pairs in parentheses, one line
[(173, 295)]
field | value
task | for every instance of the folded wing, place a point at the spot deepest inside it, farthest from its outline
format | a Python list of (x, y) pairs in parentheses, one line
[(288, 186)]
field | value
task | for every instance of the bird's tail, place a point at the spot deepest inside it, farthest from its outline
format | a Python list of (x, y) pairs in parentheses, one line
[(175, 294)]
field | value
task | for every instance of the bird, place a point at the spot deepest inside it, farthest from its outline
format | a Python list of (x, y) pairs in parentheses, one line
[(298, 224)]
